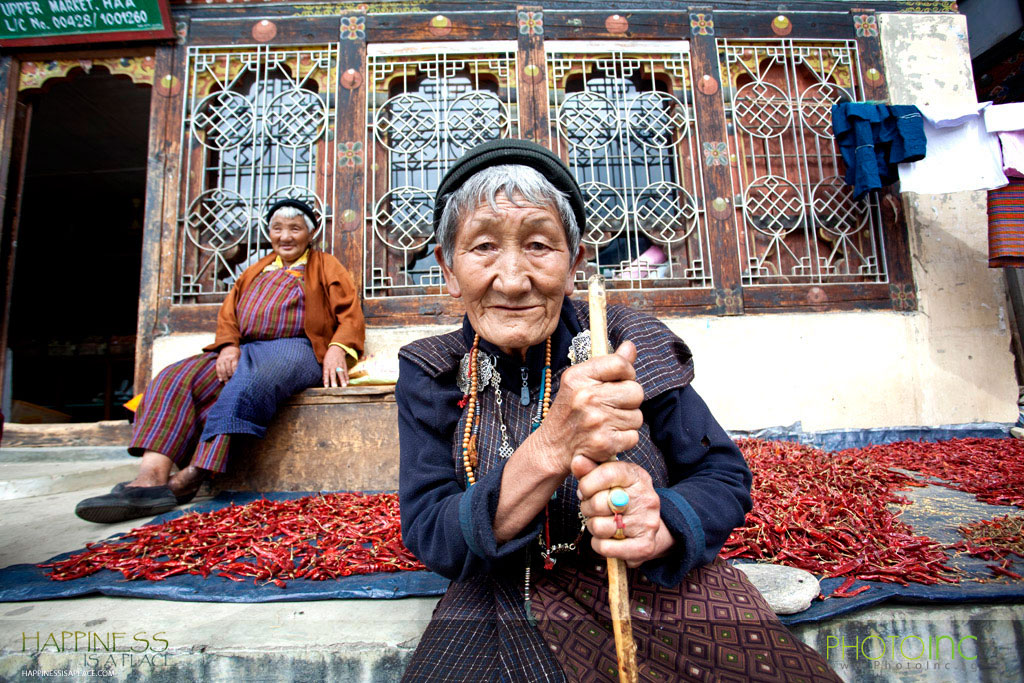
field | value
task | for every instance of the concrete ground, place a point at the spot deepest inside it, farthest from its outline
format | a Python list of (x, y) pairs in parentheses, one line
[(352, 640)]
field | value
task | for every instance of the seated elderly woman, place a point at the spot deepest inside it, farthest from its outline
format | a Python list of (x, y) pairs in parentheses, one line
[(290, 321), (507, 429)]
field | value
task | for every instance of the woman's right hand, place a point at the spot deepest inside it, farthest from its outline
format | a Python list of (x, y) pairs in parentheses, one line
[(227, 361), (596, 412)]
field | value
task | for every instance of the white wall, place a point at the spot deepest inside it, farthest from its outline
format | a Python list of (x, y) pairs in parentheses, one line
[(949, 362)]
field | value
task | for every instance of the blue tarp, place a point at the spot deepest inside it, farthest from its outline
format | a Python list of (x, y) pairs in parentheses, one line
[(841, 439), (967, 591), (28, 582), (22, 582), (978, 584)]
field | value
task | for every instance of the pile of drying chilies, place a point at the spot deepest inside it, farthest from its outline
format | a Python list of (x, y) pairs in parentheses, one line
[(828, 513)]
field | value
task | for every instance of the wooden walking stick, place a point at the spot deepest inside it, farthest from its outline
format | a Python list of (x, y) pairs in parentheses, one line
[(618, 588)]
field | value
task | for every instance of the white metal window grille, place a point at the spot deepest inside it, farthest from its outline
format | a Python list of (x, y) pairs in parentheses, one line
[(426, 105), (622, 117), (257, 124), (797, 221)]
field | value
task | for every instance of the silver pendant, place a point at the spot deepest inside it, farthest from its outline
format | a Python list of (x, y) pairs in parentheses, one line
[(484, 367), (579, 349)]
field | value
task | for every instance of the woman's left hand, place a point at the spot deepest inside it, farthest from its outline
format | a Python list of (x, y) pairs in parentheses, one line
[(335, 368), (647, 537)]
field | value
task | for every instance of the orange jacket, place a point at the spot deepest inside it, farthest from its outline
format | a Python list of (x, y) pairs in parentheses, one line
[(333, 310)]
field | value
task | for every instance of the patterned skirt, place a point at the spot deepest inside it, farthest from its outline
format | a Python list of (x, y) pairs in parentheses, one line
[(714, 626)]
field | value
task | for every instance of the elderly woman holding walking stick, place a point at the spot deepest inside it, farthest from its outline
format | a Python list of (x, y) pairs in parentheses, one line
[(292, 320), (509, 484)]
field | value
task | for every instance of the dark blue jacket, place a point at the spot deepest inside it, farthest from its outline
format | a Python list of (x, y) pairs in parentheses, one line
[(874, 138), (450, 529)]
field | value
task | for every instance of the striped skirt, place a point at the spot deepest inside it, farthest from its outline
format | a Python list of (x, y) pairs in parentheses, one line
[(1006, 225)]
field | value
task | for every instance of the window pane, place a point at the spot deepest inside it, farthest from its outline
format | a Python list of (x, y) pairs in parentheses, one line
[(624, 122), (797, 221), (256, 124), (425, 111)]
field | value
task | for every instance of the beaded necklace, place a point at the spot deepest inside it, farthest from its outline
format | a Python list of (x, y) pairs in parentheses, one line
[(470, 433), (470, 458)]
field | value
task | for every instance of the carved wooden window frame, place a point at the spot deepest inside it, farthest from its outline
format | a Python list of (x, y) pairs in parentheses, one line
[(702, 28), (705, 32)]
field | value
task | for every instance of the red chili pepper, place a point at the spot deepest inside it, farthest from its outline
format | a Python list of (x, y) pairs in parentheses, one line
[(856, 591), (1005, 572), (828, 513), (846, 584), (726, 554), (994, 539), (316, 538)]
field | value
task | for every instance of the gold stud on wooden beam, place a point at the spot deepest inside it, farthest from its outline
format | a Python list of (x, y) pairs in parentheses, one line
[(351, 79), (616, 24), (782, 26), (264, 31), (708, 85), (440, 25)]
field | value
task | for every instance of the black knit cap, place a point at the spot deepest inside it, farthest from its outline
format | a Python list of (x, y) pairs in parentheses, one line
[(295, 204), (510, 151)]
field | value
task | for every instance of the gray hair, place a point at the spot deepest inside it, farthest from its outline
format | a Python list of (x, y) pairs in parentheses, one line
[(292, 212), (522, 185)]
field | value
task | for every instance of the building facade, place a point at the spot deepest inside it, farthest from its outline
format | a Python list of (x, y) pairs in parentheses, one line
[(701, 137)]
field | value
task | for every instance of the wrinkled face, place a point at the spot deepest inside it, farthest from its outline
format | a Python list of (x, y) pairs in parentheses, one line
[(511, 268), (289, 237)]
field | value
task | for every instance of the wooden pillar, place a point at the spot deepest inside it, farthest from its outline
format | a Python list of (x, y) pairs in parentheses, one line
[(902, 292), (353, 150), (14, 118), (719, 211), (159, 225), (532, 76)]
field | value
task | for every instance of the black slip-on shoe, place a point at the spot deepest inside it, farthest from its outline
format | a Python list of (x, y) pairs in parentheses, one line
[(186, 498), (127, 502)]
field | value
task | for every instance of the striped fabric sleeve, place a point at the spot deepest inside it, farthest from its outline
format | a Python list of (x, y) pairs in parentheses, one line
[(1006, 225)]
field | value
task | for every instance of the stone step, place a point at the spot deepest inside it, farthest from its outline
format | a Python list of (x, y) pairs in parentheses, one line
[(104, 433), (350, 640), (35, 529), (29, 472), (373, 640)]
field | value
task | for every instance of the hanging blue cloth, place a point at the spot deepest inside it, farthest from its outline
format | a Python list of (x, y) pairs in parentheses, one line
[(873, 138)]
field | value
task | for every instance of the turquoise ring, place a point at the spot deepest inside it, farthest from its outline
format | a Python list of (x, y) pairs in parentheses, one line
[(618, 500)]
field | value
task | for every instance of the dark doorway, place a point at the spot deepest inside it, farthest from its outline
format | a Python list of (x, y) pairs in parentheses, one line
[(74, 299)]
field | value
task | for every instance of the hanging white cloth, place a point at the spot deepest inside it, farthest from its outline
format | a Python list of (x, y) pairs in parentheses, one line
[(962, 153), (1001, 118), (1007, 121)]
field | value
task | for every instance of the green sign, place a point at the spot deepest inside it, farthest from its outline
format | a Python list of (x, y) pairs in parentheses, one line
[(47, 22)]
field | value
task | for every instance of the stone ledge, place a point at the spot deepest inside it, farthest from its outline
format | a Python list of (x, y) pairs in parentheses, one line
[(320, 440), (30, 479), (106, 433), (364, 640)]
